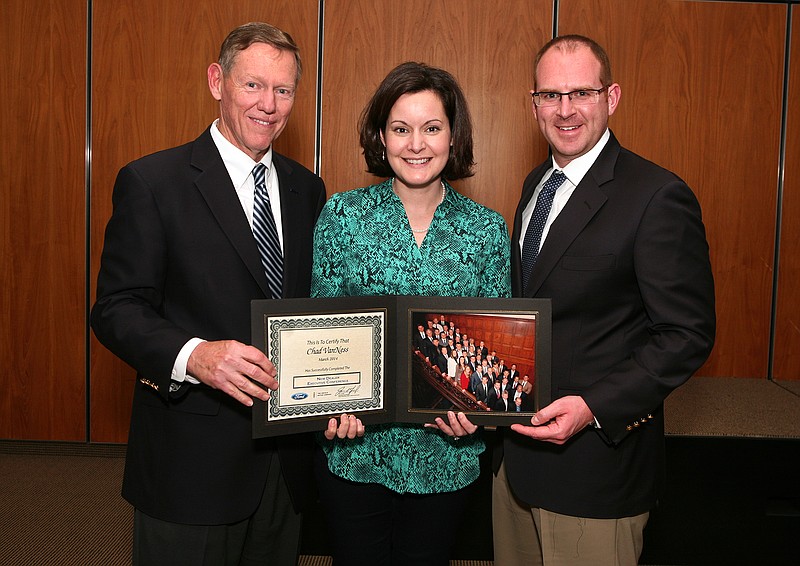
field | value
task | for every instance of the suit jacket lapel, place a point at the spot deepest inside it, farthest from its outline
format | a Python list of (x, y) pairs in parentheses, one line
[(293, 220), (585, 202), (215, 185)]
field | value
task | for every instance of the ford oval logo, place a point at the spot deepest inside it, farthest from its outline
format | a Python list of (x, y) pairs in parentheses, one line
[(299, 396)]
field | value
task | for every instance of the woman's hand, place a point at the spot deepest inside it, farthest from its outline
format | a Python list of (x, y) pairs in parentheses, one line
[(348, 426), (458, 425)]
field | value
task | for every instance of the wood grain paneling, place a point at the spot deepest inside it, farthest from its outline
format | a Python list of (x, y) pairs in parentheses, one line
[(513, 340), (701, 95), (42, 203), (149, 92), (786, 364), (487, 47)]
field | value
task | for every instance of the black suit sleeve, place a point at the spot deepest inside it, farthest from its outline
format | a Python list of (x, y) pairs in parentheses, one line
[(127, 316), (673, 274)]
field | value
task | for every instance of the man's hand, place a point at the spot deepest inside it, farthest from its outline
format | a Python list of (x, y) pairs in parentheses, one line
[(559, 421), (234, 368)]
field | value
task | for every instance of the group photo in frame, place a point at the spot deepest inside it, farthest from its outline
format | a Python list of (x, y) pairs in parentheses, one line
[(367, 356)]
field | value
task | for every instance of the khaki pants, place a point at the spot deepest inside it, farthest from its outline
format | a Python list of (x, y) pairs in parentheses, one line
[(526, 536)]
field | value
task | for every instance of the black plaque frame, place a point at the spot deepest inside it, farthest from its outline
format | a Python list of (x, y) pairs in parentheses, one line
[(399, 313)]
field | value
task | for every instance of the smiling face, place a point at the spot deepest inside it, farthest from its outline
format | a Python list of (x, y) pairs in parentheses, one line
[(255, 98), (417, 139), (572, 130)]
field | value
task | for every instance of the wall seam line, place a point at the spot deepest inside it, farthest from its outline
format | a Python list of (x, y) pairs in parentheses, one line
[(779, 199), (88, 223)]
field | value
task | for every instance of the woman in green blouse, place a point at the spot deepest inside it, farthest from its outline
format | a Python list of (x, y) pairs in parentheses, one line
[(385, 489)]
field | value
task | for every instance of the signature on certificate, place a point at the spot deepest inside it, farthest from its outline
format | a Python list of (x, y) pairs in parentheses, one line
[(347, 391)]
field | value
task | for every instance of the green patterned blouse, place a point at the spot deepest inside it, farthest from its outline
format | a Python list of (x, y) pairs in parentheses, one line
[(363, 245)]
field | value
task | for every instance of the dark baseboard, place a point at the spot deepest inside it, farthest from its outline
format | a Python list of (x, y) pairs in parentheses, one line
[(56, 448)]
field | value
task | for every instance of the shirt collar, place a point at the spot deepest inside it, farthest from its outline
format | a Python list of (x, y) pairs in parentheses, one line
[(238, 163), (578, 167)]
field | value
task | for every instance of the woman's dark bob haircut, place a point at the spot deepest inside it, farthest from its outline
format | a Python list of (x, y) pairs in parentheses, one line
[(410, 78)]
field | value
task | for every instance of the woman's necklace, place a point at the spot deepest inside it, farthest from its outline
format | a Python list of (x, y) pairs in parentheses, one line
[(423, 230)]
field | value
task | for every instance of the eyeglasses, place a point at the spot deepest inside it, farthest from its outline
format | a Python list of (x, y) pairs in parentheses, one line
[(578, 97)]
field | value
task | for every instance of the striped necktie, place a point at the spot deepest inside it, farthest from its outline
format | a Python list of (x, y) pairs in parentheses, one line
[(266, 233), (533, 235)]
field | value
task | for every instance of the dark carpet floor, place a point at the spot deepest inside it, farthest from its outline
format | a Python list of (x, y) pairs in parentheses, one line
[(60, 505), (732, 490)]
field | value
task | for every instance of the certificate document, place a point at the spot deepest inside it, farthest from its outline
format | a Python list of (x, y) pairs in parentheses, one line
[(401, 359), (329, 364)]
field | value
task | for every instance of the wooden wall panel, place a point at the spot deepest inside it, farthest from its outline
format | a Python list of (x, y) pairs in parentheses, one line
[(149, 92), (513, 340), (42, 221), (786, 363), (474, 41), (688, 72)]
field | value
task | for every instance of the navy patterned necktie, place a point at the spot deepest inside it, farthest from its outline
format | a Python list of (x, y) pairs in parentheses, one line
[(266, 233), (533, 235)]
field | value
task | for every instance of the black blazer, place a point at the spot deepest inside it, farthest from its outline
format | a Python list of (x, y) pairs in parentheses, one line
[(626, 265), (180, 260)]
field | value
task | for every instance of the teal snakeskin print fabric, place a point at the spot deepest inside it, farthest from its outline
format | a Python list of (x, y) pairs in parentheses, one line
[(363, 245)]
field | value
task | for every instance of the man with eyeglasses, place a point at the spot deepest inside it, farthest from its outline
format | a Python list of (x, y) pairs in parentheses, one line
[(619, 246)]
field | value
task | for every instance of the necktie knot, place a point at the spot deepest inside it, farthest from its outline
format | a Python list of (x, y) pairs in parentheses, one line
[(555, 181), (259, 177)]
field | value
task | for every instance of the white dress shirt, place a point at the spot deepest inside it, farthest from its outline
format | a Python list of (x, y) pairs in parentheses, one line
[(574, 171), (240, 168)]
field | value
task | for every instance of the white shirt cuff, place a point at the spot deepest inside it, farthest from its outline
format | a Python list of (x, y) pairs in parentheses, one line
[(179, 368)]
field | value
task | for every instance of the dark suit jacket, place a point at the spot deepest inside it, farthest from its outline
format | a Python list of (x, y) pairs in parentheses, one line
[(419, 342), (180, 260), (440, 360), (482, 392), (626, 265), (430, 350), (494, 396)]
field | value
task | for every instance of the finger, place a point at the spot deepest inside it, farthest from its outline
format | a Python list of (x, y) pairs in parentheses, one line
[(455, 425), (254, 390), (530, 431), (352, 427), (251, 390), (360, 427), (259, 358), (549, 433), (443, 427), (257, 373), (467, 425), (330, 432), (231, 389), (344, 425)]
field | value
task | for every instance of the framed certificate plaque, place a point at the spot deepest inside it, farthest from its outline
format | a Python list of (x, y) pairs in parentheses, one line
[(401, 359)]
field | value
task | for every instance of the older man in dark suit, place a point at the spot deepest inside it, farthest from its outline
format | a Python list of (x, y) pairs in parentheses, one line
[(179, 268), (619, 246)]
